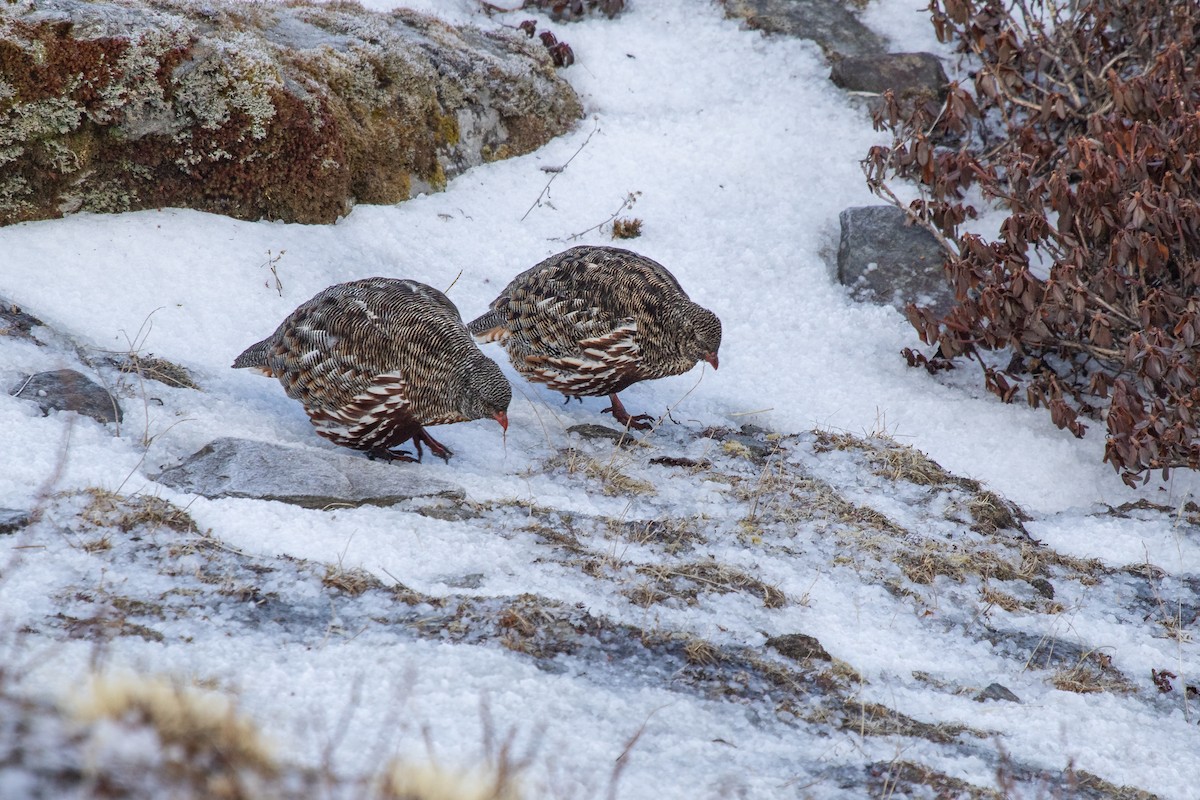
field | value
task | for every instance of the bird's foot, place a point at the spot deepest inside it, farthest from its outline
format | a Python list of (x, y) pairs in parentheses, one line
[(637, 422), (384, 454), (419, 438), (437, 448)]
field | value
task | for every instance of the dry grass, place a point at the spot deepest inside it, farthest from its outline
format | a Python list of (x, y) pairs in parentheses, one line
[(688, 581), (901, 462), (207, 748), (107, 509), (353, 581), (926, 561), (992, 513), (671, 534), (626, 228), (992, 597), (612, 480), (404, 781), (1093, 673), (156, 369), (701, 651), (898, 778)]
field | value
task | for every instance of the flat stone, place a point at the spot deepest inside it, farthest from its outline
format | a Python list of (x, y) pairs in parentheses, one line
[(15, 322), (905, 74), (827, 22), (13, 519), (1043, 587), (799, 647), (593, 431), (68, 390), (230, 467), (995, 691), (882, 259)]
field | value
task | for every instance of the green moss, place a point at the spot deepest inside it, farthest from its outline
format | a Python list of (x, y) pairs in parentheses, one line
[(213, 112), (447, 130)]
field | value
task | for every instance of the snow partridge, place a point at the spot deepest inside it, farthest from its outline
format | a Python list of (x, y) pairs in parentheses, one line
[(374, 361), (592, 321)]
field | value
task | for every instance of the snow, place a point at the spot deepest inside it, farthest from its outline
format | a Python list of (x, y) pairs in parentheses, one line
[(744, 154)]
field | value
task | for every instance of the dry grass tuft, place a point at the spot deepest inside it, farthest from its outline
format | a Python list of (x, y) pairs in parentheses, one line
[(688, 581), (992, 513), (156, 369), (353, 581), (993, 597), (612, 480), (910, 779), (626, 228), (403, 781), (903, 463), (107, 509), (702, 652), (207, 748), (1092, 674)]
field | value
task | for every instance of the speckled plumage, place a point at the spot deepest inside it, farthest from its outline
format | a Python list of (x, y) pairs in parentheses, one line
[(373, 361), (592, 321)]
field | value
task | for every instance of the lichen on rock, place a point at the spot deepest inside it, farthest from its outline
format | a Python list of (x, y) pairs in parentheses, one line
[(289, 111)]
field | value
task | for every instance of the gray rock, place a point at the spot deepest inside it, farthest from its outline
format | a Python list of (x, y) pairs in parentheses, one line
[(1043, 587), (799, 647), (827, 22), (883, 259), (906, 74), (290, 111), (15, 322), (593, 431), (230, 467), (995, 691), (12, 519), (68, 390)]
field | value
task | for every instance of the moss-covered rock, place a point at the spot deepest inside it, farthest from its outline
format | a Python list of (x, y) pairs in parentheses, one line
[(281, 111)]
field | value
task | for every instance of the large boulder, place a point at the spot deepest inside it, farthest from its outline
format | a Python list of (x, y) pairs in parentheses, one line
[(256, 110)]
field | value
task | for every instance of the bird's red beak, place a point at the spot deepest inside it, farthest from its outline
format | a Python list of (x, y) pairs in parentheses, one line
[(711, 358), (502, 418)]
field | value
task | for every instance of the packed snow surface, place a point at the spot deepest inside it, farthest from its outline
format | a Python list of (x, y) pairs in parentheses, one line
[(742, 154)]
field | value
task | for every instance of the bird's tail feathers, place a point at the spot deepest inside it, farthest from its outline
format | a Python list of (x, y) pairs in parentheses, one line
[(254, 356), (490, 327)]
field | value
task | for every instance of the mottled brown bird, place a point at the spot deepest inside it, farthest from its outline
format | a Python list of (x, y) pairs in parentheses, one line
[(373, 361), (592, 321)]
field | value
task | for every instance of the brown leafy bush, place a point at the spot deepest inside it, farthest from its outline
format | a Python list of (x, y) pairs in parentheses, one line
[(1083, 126)]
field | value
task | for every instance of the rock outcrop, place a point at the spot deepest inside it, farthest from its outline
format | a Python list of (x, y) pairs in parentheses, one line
[(280, 111)]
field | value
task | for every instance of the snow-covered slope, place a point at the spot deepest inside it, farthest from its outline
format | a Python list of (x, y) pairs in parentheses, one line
[(584, 593)]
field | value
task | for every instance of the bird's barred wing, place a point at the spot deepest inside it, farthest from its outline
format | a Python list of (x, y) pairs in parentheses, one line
[(380, 417), (598, 363)]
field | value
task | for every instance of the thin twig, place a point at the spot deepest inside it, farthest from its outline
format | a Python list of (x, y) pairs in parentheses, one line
[(627, 203), (546, 188)]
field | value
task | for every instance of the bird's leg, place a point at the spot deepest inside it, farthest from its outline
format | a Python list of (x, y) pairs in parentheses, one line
[(638, 422), (437, 448), (570, 397)]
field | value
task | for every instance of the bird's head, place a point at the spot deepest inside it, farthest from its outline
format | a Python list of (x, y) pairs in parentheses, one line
[(486, 393), (706, 328)]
